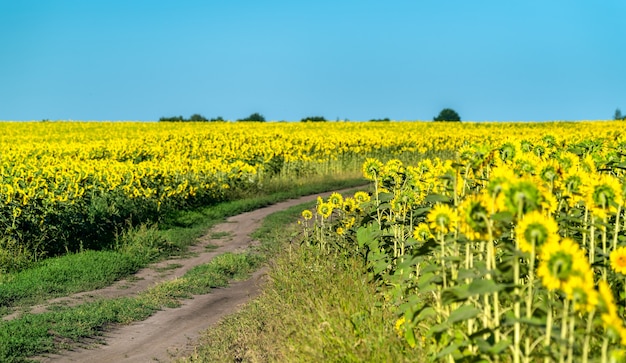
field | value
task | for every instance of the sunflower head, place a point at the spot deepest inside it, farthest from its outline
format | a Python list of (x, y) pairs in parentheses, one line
[(474, 217), (372, 168), (534, 230), (580, 289), (618, 260), (422, 232), (508, 151), (336, 200), (349, 205), (522, 197), (307, 214), (560, 261), (442, 218), (361, 197), (324, 209), (603, 194)]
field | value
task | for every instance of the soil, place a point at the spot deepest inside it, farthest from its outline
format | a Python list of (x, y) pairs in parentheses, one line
[(172, 333)]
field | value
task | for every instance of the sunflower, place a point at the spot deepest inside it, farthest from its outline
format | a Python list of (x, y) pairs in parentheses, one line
[(560, 261), (580, 289), (324, 209), (362, 197), (442, 218), (474, 217), (508, 151), (499, 179), (603, 194), (307, 214), (422, 232), (336, 200), (535, 229), (618, 260), (572, 183), (372, 168), (522, 197), (349, 205)]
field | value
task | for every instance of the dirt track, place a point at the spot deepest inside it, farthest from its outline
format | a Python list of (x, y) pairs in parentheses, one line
[(171, 333)]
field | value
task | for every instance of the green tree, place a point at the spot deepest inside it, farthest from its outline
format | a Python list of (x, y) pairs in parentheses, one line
[(313, 119), (172, 119), (618, 115), (196, 117), (448, 115), (255, 117)]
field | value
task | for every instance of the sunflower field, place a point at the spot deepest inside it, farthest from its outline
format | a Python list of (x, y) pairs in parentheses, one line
[(510, 249), (68, 186)]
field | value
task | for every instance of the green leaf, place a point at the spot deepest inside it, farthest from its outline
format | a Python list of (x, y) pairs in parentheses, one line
[(367, 235), (463, 313), (426, 313), (409, 335), (437, 198), (481, 287), (499, 347), (448, 350)]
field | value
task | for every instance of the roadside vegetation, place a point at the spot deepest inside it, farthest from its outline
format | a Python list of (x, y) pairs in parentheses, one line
[(316, 307)]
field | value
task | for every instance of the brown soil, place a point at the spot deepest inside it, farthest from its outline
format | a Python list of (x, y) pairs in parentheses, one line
[(171, 333)]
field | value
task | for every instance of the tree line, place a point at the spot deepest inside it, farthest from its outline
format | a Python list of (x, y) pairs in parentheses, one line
[(447, 114)]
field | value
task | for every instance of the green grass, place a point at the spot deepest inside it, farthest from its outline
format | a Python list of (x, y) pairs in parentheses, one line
[(316, 308)]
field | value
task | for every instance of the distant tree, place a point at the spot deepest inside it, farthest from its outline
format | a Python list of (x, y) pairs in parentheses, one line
[(379, 119), (448, 115), (255, 117), (217, 119), (196, 117), (618, 115), (172, 119), (314, 119)]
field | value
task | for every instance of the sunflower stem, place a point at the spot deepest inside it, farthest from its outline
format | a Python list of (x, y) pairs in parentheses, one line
[(585, 357), (564, 320), (616, 230), (548, 325), (570, 345)]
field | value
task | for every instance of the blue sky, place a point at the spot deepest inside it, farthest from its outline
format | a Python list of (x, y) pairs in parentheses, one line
[(360, 59)]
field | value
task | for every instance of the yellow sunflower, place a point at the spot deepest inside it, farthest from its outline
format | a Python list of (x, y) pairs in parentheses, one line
[(372, 168), (618, 260), (422, 232), (602, 193), (362, 197), (581, 290), (559, 262), (307, 214), (324, 209), (442, 218), (535, 229), (336, 200), (474, 217)]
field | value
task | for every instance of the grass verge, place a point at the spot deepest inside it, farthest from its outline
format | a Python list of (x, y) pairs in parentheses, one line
[(315, 308)]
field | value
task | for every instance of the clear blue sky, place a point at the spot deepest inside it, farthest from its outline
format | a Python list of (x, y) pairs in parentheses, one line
[(530, 60)]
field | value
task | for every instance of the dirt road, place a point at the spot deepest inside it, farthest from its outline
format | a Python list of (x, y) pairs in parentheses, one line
[(171, 333)]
